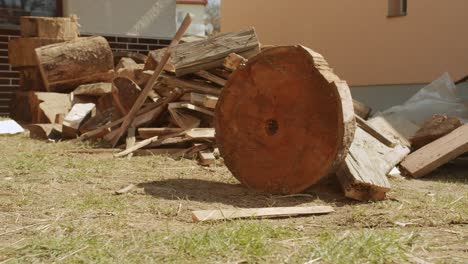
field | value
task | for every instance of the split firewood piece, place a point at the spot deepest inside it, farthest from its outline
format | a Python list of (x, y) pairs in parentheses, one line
[(183, 119), (94, 89), (131, 140), (433, 129), (106, 128), (204, 100), (201, 133), (233, 61), (191, 86), (66, 65), (100, 119), (272, 212), (363, 175), (149, 86), (75, 118), (211, 77), (125, 92), (146, 133), (44, 131), (154, 141), (206, 158), (60, 28), (175, 141), (128, 68), (39, 107), (152, 115), (135, 56), (361, 109), (191, 107), (206, 54), (21, 50), (139, 121), (437, 153), (374, 132)]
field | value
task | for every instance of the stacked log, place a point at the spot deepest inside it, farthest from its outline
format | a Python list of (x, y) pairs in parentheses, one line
[(36, 32)]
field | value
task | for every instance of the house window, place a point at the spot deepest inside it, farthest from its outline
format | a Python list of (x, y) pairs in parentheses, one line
[(397, 8), (11, 10)]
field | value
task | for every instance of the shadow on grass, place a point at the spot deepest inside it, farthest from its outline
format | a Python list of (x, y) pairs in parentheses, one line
[(454, 172), (238, 195)]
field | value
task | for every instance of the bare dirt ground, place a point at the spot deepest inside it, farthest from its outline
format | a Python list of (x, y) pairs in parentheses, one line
[(57, 205)]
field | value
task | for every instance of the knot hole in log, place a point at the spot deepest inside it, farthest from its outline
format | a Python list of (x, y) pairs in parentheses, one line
[(272, 127)]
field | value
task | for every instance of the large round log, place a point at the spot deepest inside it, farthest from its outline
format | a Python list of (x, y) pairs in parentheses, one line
[(65, 66), (284, 120)]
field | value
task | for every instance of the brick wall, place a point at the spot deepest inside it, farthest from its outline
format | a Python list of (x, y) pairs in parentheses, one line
[(9, 79)]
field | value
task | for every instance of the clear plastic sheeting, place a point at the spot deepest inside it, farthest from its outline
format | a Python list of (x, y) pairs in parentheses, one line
[(10, 127), (439, 97)]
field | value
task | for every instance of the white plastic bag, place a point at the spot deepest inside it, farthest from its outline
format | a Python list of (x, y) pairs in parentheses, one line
[(439, 97)]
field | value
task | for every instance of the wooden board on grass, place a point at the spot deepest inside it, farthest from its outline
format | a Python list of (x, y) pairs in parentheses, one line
[(228, 214)]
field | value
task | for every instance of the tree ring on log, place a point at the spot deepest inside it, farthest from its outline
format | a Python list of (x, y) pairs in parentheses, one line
[(284, 120)]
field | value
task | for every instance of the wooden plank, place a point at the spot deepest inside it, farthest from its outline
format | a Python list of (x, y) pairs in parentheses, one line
[(233, 61), (204, 100), (361, 109), (146, 133), (154, 78), (191, 86), (437, 153), (206, 54), (191, 107), (211, 77), (374, 132), (201, 133), (154, 141), (229, 214), (106, 128)]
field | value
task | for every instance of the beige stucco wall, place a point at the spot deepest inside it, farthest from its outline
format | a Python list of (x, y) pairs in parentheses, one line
[(359, 41), (144, 18)]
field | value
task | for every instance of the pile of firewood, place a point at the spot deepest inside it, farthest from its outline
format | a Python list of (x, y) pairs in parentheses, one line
[(77, 90)]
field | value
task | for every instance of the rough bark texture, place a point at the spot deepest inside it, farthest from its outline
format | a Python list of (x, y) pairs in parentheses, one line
[(64, 66), (60, 28), (39, 107), (284, 120), (205, 54)]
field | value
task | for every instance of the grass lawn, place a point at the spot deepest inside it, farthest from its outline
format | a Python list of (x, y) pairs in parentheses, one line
[(57, 205)]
